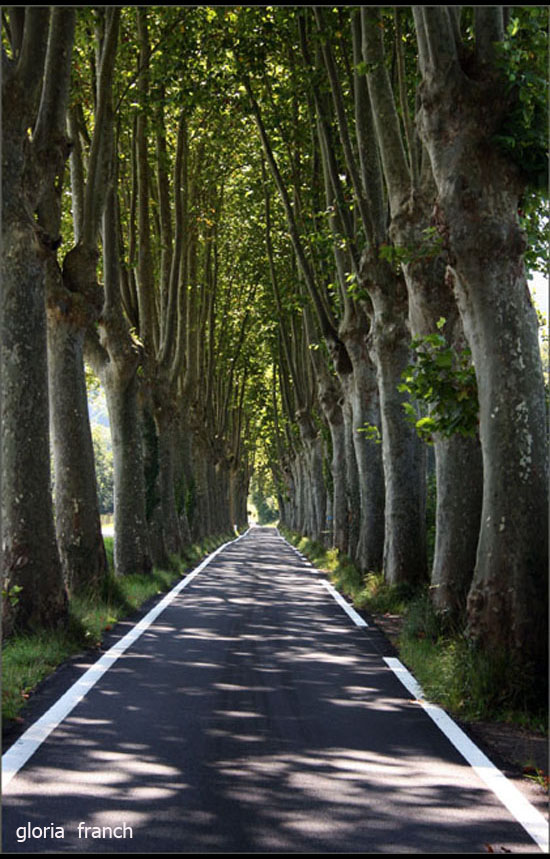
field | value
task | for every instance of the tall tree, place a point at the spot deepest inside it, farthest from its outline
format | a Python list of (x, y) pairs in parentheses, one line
[(35, 83), (382, 296), (411, 193), (112, 348), (465, 101), (74, 304)]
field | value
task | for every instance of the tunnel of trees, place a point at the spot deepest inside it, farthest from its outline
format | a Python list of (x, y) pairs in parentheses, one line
[(289, 242)]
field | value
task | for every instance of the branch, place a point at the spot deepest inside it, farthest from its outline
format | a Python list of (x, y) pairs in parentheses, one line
[(50, 123), (180, 217), (489, 28), (345, 138), (30, 67), (436, 32), (412, 142), (369, 156), (386, 120), (100, 161), (77, 174), (327, 324)]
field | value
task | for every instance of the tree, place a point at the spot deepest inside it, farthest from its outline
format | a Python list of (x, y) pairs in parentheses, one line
[(74, 304), (363, 463), (415, 249), (34, 95), (466, 100)]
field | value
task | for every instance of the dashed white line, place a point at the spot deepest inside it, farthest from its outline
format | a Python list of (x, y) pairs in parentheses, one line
[(350, 611)]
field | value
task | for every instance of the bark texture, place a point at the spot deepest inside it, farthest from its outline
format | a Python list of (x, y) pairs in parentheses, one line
[(33, 95), (479, 191)]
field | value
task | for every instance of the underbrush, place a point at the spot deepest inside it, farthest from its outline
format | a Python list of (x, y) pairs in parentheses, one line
[(29, 658), (468, 682)]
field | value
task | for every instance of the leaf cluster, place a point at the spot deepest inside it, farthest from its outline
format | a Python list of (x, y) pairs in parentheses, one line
[(522, 58), (443, 379), (398, 255)]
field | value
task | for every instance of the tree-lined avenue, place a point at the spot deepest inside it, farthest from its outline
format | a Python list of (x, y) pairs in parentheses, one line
[(253, 716)]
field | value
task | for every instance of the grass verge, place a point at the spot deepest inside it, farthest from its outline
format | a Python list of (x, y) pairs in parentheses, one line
[(30, 658), (453, 673)]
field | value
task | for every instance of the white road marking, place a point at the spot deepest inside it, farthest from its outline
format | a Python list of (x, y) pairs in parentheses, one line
[(534, 823), (350, 611), (27, 744)]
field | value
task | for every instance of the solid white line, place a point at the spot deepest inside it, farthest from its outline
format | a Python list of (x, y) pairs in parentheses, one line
[(32, 739), (356, 618), (526, 814)]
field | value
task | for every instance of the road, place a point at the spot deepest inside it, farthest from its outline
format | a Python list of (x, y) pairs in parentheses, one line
[(253, 715)]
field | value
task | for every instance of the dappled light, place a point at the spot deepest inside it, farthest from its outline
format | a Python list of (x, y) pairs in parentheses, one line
[(273, 725), (267, 267)]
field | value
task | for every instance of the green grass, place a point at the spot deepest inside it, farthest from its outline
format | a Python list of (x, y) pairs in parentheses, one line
[(464, 679), (453, 673), (29, 658), (368, 591)]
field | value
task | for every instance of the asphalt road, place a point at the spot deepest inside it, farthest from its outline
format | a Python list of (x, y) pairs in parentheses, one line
[(253, 716)]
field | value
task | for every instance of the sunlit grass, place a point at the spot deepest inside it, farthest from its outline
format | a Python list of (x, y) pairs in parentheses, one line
[(368, 591)]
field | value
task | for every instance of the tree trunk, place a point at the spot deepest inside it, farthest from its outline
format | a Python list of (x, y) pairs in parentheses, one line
[(404, 467), (170, 521), (478, 197), (459, 474), (34, 91), (312, 470), (132, 550), (459, 494), (30, 559), (78, 523), (77, 518), (362, 389), (329, 397), (353, 494)]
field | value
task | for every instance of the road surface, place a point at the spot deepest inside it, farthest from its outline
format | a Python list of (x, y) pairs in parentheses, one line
[(253, 715)]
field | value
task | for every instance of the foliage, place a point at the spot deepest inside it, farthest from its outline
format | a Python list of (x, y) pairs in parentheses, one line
[(226, 308), (442, 379), (371, 432), (428, 248), (261, 496), (522, 58), (464, 678), (103, 456)]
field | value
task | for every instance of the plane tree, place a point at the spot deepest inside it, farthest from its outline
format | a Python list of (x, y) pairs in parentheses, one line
[(481, 97), (36, 57), (363, 461), (415, 249), (74, 302)]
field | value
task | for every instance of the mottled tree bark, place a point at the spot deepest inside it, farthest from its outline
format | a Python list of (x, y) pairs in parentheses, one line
[(330, 396), (115, 359), (33, 95), (361, 390), (478, 196), (411, 194), (132, 550), (75, 302)]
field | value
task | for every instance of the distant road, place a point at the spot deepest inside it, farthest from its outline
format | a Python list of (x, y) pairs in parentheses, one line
[(253, 715)]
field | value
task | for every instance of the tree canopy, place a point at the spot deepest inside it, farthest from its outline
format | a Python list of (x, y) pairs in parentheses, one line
[(291, 242)]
